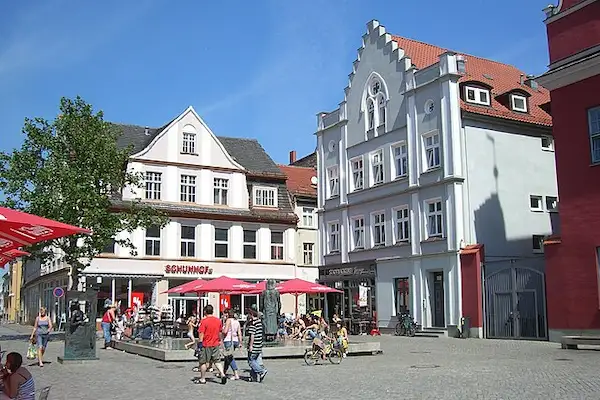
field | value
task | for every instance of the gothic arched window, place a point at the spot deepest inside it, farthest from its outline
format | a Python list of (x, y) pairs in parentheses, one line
[(375, 105)]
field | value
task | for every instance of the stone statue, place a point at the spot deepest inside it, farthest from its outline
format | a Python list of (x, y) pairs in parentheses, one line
[(270, 304)]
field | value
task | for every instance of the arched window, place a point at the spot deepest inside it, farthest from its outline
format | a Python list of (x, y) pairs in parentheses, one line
[(370, 114), (375, 105)]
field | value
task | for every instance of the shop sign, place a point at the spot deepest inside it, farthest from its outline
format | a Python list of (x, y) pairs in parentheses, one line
[(188, 269), (349, 271)]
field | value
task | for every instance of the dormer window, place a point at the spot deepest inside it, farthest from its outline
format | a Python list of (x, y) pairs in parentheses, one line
[(518, 103), (265, 196), (477, 95)]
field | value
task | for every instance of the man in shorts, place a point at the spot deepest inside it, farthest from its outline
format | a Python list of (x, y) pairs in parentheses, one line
[(211, 337)]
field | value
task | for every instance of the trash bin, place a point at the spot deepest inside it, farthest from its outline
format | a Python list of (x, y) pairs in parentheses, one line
[(465, 327)]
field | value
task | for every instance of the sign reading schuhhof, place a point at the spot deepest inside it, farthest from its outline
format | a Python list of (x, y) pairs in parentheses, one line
[(188, 269)]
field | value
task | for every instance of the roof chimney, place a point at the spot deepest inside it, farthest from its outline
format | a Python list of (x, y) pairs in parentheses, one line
[(292, 156), (522, 79), (530, 81), (147, 131)]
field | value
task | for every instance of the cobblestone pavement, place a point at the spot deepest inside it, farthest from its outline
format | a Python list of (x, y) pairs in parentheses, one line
[(410, 368)]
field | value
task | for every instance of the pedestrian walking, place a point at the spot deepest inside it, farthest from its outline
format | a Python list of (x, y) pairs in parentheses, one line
[(255, 346), (211, 335), (107, 320), (42, 328), (233, 336)]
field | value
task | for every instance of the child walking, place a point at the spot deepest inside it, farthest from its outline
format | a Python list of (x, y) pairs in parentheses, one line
[(342, 334), (192, 324)]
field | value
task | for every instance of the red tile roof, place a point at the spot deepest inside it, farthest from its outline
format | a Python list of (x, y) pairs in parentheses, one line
[(505, 78), (299, 180)]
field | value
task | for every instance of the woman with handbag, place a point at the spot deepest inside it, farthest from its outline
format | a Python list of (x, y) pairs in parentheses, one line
[(42, 328), (233, 336)]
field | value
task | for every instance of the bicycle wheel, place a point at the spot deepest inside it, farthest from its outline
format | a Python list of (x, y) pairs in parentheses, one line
[(411, 330), (310, 358), (335, 356), (400, 330)]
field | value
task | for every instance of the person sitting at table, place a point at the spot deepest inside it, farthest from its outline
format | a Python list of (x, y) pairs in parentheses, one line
[(18, 382)]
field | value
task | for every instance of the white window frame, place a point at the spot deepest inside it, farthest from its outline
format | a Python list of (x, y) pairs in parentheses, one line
[(333, 181), (308, 252), (378, 225), (333, 233), (225, 242), (187, 188), (308, 217), (153, 185), (594, 131), (477, 94), (431, 149), (188, 143), (357, 166), (533, 244), (376, 160), (358, 232), (278, 249), (248, 244), (539, 199), (381, 113), (513, 104), (370, 114), (550, 140), (220, 191), (553, 199), (260, 197), (400, 223), (439, 218), (153, 239), (187, 242), (400, 160)]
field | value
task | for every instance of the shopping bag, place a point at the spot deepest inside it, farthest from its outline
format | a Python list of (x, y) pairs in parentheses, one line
[(31, 351)]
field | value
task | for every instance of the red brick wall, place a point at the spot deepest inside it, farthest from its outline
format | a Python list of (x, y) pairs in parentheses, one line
[(571, 269), (575, 32)]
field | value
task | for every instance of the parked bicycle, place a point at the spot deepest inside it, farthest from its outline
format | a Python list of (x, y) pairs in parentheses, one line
[(406, 325), (326, 348)]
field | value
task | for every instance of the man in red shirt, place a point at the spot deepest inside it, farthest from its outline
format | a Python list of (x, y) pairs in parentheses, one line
[(210, 333)]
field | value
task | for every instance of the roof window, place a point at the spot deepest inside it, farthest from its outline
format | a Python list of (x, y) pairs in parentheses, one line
[(477, 95)]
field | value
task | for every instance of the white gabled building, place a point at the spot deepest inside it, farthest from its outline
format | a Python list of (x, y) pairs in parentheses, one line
[(230, 214)]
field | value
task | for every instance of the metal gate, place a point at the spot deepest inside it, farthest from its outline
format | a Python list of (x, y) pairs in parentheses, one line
[(515, 304)]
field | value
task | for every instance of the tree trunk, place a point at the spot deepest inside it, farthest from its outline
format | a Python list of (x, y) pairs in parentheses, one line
[(74, 274)]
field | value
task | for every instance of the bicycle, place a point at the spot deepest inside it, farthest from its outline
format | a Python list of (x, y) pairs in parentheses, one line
[(406, 326), (330, 350)]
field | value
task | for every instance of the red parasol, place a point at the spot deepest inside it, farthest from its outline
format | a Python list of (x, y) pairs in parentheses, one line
[(19, 229), (223, 285), (299, 286), (185, 288), (10, 255)]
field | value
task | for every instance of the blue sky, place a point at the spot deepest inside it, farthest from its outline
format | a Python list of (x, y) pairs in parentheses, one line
[(259, 69)]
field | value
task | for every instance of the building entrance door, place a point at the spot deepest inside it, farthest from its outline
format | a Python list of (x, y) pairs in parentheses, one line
[(438, 300)]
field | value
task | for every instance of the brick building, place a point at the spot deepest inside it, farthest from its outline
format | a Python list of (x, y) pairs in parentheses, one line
[(572, 279)]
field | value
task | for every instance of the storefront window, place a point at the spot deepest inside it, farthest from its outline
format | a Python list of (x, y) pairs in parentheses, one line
[(402, 296), (240, 302)]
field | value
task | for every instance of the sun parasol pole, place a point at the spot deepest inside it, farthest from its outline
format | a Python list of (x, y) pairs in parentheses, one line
[(296, 296)]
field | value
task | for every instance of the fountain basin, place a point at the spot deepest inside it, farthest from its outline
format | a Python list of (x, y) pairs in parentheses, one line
[(173, 349)]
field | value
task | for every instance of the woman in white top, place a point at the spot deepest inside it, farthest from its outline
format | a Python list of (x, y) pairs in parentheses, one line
[(233, 336)]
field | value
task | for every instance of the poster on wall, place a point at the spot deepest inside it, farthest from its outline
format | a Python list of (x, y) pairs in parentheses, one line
[(137, 299), (363, 296), (224, 303)]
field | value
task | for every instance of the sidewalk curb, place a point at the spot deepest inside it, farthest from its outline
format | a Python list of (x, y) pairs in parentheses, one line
[(57, 336)]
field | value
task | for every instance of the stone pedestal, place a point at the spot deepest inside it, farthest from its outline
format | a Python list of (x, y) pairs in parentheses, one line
[(80, 339)]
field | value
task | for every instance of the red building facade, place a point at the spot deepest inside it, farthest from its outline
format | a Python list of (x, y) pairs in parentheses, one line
[(573, 78)]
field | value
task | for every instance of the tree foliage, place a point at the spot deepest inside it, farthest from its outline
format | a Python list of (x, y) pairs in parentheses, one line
[(72, 170)]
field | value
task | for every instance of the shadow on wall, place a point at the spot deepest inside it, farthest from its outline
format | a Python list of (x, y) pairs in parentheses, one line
[(514, 285)]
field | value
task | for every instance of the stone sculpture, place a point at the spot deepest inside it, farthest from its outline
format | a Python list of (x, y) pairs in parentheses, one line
[(270, 304)]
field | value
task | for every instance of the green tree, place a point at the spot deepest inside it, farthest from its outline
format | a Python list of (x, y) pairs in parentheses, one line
[(71, 170)]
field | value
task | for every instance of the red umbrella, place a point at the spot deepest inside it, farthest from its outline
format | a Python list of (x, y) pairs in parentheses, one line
[(185, 288), (19, 229), (299, 286), (10, 255), (223, 285)]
